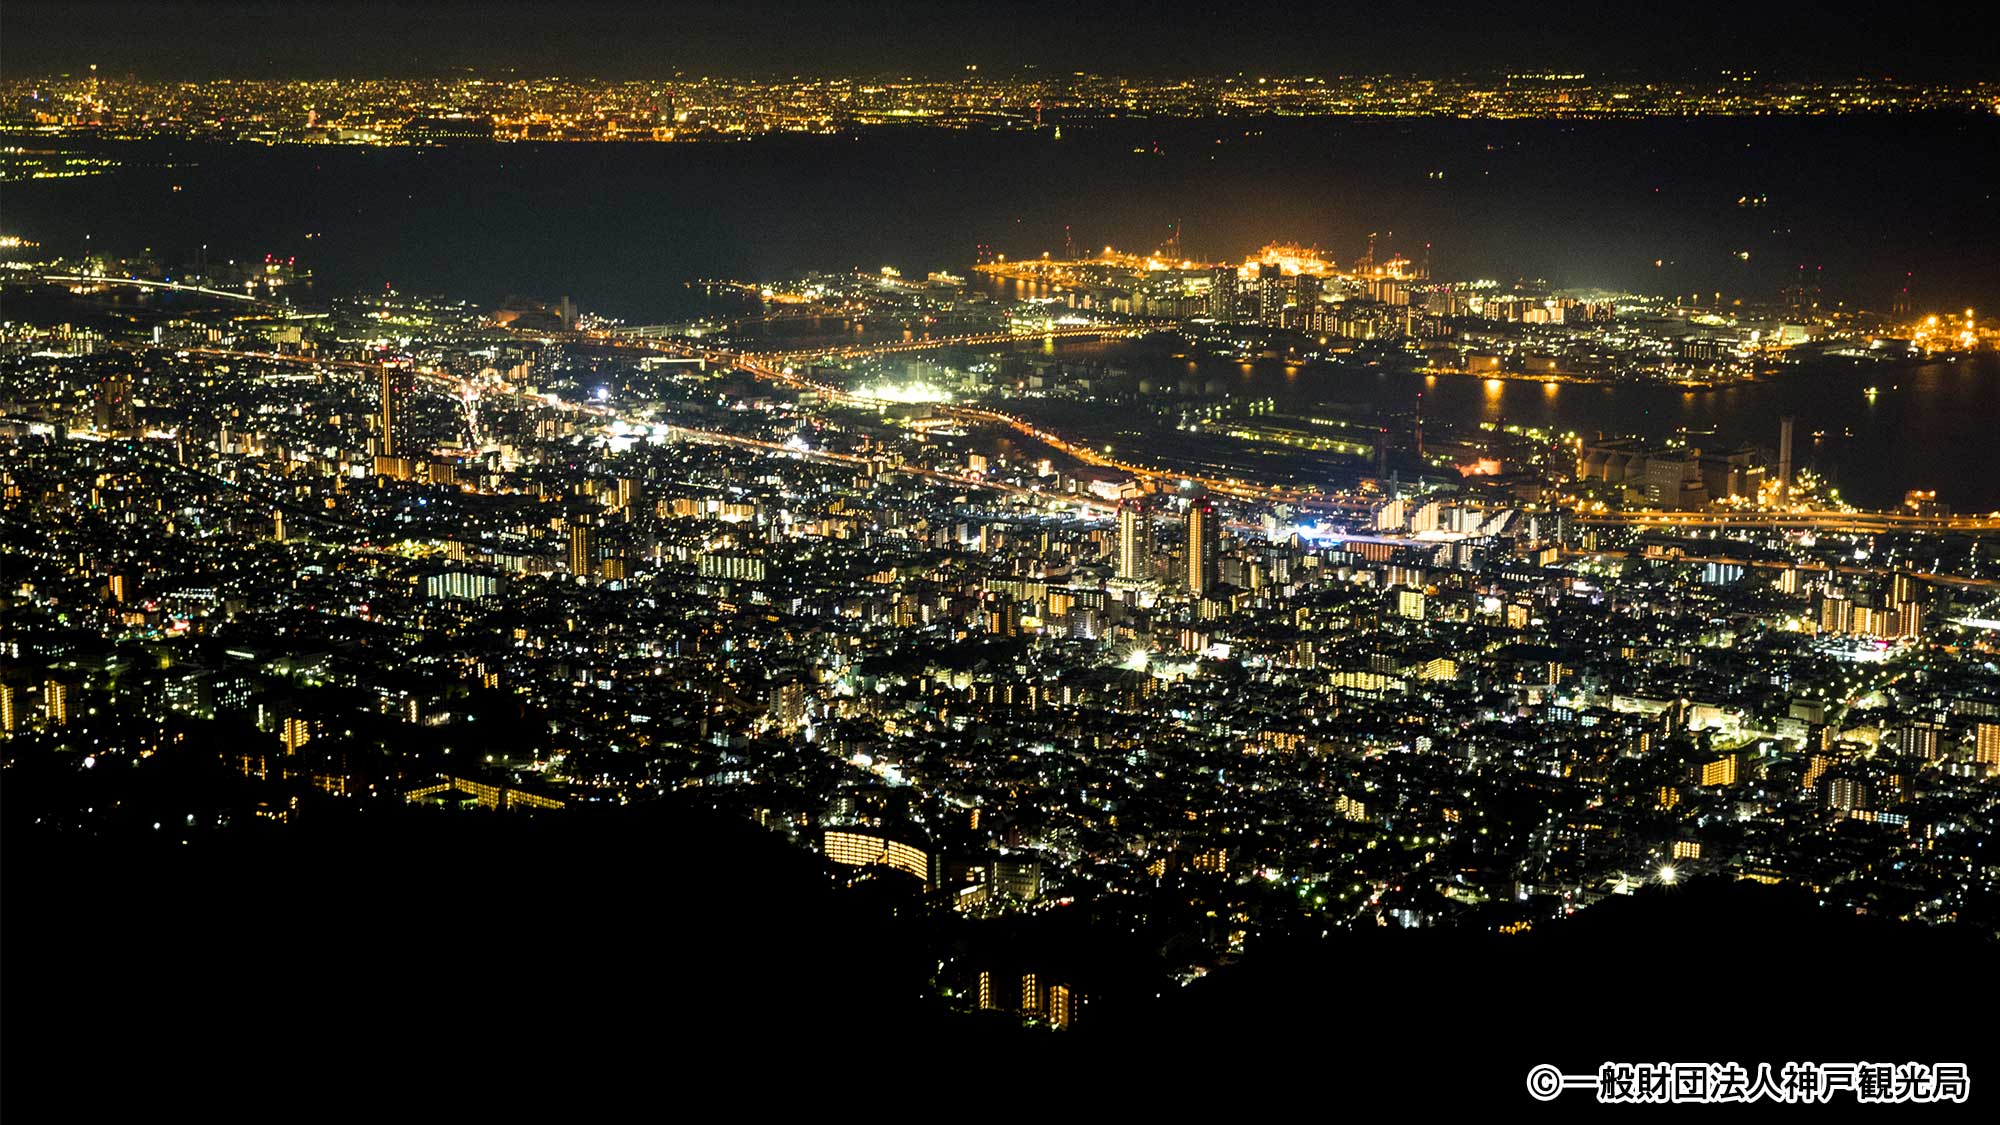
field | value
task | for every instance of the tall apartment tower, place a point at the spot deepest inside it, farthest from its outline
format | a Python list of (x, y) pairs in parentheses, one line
[(1785, 425), (582, 547), (1222, 294), (1204, 536), (1135, 541), (388, 413)]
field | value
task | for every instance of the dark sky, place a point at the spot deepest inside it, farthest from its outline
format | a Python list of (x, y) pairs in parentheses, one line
[(185, 38)]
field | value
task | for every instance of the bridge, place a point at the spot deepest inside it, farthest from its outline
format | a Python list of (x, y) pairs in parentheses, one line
[(167, 286), (647, 332), (973, 339)]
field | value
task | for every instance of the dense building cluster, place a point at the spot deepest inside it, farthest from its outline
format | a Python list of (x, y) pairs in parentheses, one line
[(449, 110), (408, 552)]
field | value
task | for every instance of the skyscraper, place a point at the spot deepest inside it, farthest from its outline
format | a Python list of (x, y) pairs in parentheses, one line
[(1135, 541), (1785, 425), (1203, 535), (1222, 294), (582, 547), (390, 392), (1272, 292), (1306, 288)]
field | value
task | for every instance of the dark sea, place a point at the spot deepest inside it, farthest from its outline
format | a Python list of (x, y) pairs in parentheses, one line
[(1861, 202), (1929, 425), (1866, 205)]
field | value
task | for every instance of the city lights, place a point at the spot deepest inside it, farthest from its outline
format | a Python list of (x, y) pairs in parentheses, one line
[(1398, 528)]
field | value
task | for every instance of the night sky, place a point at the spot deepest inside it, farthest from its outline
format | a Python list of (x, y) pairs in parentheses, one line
[(321, 38)]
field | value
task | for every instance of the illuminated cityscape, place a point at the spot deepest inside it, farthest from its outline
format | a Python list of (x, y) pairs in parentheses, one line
[(693, 107), (1032, 644)]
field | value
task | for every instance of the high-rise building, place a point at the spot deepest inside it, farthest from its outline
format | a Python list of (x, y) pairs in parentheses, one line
[(1902, 588), (788, 705), (1718, 772), (1985, 745), (1204, 534), (388, 413), (1272, 293), (1003, 618), (1909, 619), (1135, 541), (1308, 290), (1847, 793), (1410, 604), (1785, 425), (1917, 740), (582, 547), (1062, 1006), (10, 708), (1222, 294)]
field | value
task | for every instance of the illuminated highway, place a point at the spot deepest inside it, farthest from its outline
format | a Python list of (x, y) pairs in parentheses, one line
[(926, 343), (710, 437), (1822, 520), (773, 367)]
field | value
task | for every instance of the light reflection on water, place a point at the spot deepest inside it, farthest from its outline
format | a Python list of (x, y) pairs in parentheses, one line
[(1930, 425)]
